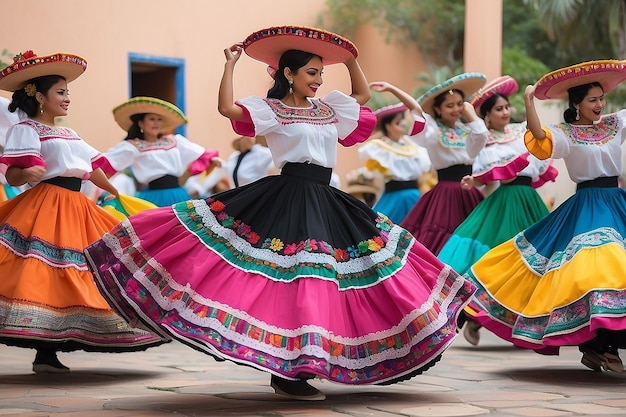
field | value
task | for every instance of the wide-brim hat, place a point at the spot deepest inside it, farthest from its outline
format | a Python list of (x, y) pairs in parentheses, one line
[(28, 65), (389, 110), (609, 73), (504, 85), (468, 83), (268, 45), (356, 189), (172, 115), (260, 140)]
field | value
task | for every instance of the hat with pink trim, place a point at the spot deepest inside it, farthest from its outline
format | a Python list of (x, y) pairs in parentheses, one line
[(267, 45), (609, 73), (389, 110), (504, 85), (28, 65), (468, 83)]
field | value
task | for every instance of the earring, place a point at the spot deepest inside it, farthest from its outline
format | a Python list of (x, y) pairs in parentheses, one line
[(577, 114), (290, 86), (40, 108), (141, 130)]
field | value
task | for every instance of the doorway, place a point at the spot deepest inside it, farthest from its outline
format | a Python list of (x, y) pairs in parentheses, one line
[(160, 77)]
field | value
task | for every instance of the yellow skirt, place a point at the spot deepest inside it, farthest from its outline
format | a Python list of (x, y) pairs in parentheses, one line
[(48, 297)]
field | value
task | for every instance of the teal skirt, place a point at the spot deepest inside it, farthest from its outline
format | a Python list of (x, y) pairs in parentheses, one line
[(507, 211)]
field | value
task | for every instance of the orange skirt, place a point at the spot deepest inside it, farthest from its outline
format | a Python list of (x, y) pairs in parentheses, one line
[(48, 297)]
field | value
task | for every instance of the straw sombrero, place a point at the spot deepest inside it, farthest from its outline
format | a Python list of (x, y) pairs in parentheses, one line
[(609, 73), (267, 45), (28, 65), (172, 115), (504, 85), (389, 110), (468, 83)]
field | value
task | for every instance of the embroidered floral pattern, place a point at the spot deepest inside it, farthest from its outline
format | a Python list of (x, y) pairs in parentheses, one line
[(453, 138), (46, 132), (164, 143), (569, 319), (542, 265), (511, 133), (319, 113), (595, 134), (409, 345)]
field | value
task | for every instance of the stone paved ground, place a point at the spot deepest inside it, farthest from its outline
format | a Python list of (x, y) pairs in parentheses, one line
[(492, 379)]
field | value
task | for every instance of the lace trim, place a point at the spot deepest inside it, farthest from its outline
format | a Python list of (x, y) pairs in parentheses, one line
[(402, 147)]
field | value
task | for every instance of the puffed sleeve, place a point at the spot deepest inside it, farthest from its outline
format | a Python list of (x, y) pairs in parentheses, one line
[(119, 157), (477, 138), (259, 117), (429, 135), (540, 148), (621, 115), (419, 123), (193, 155), (23, 148), (355, 122)]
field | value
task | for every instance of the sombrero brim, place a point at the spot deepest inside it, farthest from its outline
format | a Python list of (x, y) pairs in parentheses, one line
[(172, 115), (389, 110), (468, 83), (609, 73), (15, 75), (267, 45), (361, 189), (504, 85)]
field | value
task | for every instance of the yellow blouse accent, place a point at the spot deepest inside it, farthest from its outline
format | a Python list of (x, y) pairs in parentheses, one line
[(374, 165), (541, 148)]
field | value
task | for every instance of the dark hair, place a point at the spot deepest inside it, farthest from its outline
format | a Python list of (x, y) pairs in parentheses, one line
[(29, 104), (384, 121), (441, 97), (294, 60), (488, 104), (134, 131), (576, 96)]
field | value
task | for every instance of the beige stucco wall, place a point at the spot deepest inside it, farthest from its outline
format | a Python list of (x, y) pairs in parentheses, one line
[(104, 32)]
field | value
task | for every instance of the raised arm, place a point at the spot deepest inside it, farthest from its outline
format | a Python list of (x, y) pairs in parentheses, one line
[(226, 103), (360, 88), (532, 118), (403, 96)]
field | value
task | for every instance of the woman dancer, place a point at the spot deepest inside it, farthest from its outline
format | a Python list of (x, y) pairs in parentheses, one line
[(515, 204), (48, 299), (395, 156), (453, 136), (288, 274), (158, 159), (561, 281)]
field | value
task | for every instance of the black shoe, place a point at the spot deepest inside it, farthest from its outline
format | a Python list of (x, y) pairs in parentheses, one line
[(46, 362), (297, 390)]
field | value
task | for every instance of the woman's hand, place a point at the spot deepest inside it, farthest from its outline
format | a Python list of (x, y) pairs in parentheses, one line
[(233, 53), (467, 182), (529, 92), (468, 113), (34, 173), (216, 162), (379, 86)]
